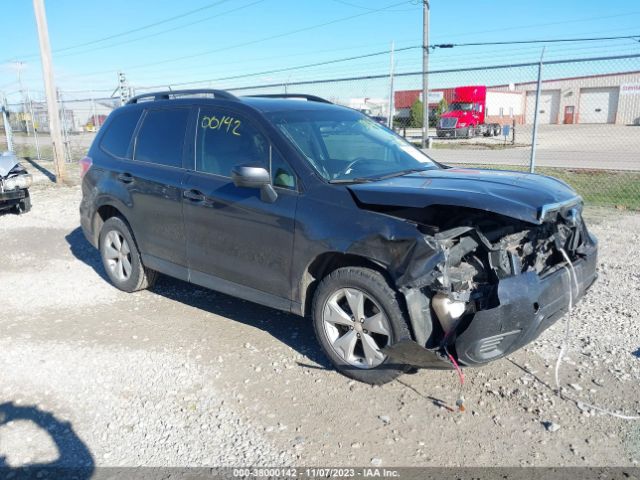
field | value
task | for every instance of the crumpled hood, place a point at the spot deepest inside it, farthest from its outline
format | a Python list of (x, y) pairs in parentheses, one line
[(8, 160), (518, 195)]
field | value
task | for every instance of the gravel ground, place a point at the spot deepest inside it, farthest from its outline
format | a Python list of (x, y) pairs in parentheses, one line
[(184, 376)]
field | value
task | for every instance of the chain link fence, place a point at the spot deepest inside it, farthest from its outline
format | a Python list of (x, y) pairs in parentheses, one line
[(588, 117)]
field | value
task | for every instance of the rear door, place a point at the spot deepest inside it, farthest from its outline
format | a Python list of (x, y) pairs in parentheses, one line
[(233, 237), (154, 179)]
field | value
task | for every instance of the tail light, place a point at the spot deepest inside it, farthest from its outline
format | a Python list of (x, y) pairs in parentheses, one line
[(85, 165)]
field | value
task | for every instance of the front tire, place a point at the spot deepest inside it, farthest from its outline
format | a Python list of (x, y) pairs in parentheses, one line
[(470, 132), (25, 205), (121, 258), (355, 315)]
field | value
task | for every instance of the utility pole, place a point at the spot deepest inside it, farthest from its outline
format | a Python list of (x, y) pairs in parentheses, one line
[(390, 119), (7, 126), (50, 90), (33, 124), (534, 135), (425, 74), (65, 136), (19, 66), (123, 86)]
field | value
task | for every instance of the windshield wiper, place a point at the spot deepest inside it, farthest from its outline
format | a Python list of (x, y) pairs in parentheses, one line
[(352, 180), (381, 177), (397, 174)]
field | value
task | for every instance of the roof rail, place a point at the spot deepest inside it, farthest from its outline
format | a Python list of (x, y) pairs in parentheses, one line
[(173, 93), (309, 98)]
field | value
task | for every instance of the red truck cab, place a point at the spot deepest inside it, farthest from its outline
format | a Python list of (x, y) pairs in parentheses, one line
[(465, 116)]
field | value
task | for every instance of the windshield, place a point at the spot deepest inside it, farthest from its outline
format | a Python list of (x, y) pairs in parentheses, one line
[(345, 145), (460, 106)]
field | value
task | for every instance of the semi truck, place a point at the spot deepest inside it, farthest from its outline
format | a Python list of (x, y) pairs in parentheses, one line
[(471, 106)]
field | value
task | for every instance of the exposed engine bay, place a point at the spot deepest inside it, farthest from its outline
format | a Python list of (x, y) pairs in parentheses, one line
[(496, 279), (479, 256)]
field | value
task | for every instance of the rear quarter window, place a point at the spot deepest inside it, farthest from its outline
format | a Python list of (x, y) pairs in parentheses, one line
[(117, 138), (161, 137)]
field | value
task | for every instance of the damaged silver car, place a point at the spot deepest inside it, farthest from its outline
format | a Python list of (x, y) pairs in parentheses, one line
[(14, 184)]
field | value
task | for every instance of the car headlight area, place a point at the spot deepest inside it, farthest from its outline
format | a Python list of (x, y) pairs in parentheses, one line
[(17, 182)]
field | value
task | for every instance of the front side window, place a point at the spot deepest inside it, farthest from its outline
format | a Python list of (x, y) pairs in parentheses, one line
[(344, 145), (118, 135), (281, 173), (161, 137), (225, 139)]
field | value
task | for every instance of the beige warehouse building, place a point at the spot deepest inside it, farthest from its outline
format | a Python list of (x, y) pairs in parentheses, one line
[(609, 98)]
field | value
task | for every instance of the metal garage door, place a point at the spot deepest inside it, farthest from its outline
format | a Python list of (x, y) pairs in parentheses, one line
[(548, 108), (598, 105)]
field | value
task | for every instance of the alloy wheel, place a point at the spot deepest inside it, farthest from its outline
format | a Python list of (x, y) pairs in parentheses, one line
[(356, 327), (118, 255)]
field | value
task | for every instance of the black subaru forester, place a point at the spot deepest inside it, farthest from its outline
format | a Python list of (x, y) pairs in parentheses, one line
[(296, 203)]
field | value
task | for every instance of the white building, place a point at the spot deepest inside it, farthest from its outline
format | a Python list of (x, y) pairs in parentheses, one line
[(608, 98)]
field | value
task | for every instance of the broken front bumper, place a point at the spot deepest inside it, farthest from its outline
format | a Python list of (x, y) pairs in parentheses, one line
[(528, 305), (10, 198)]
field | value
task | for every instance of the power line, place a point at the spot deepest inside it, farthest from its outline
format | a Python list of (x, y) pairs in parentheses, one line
[(516, 42), (440, 62), (450, 70), (287, 69), (444, 64), (343, 2), (259, 40), (251, 60), (563, 22), (300, 67), (161, 32), (134, 30), (528, 51)]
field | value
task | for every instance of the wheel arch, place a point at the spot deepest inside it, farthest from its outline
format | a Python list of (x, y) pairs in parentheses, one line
[(327, 262), (105, 210)]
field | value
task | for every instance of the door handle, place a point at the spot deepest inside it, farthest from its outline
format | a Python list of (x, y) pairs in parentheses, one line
[(194, 195), (125, 177)]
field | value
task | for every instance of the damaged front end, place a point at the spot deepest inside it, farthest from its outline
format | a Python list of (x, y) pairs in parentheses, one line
[(483, 284), (14, 184)]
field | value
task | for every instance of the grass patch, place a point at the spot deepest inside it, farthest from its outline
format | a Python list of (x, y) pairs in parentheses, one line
[(597, 187), (24, 150)]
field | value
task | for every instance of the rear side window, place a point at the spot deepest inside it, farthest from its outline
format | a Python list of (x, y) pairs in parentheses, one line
[(161, 137), (117, 138)]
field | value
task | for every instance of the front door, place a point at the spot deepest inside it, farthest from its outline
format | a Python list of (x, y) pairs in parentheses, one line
[(234, 239), (568, 114)]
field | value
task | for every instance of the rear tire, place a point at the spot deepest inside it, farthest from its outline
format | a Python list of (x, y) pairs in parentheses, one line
[(121, 257), (353, 344)]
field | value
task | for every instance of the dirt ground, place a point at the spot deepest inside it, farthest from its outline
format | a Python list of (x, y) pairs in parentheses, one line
[(184, 376)]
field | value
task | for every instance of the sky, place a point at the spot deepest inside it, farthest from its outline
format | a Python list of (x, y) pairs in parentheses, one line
[(160, 42)]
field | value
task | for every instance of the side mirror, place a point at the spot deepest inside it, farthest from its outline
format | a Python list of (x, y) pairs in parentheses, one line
[(250, 176)]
